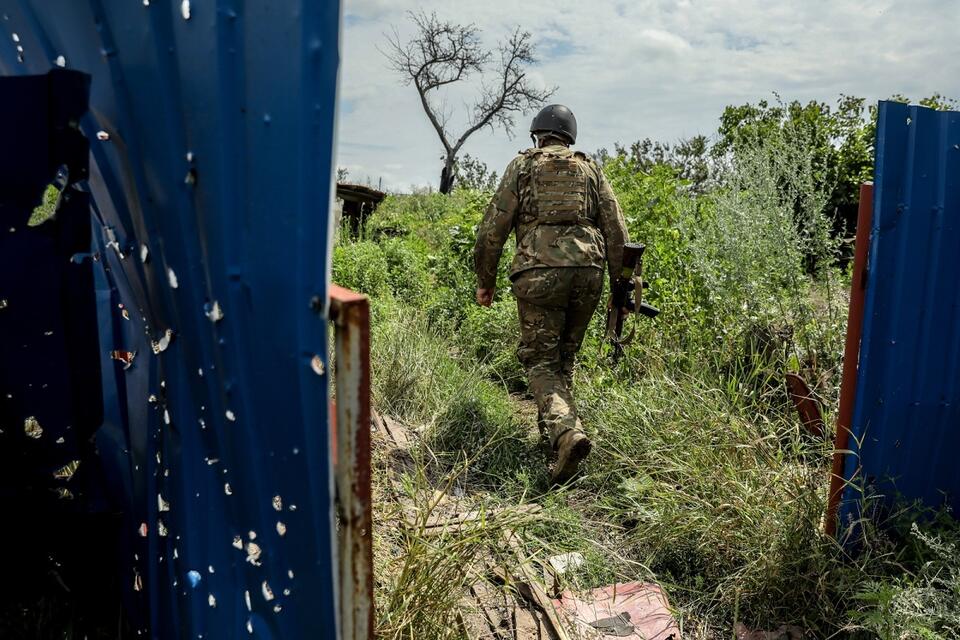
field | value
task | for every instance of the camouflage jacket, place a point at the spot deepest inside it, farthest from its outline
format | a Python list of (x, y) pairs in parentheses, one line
[(596, 237)]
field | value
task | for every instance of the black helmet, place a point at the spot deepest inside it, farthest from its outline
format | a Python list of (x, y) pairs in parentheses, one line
[(558, 120)]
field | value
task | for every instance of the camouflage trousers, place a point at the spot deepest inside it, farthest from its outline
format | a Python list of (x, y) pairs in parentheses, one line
[(555, 306)]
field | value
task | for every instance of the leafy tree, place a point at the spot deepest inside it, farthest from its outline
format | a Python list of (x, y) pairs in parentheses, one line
[(473, 173), (844, 138), (689, 159), (443, 53)]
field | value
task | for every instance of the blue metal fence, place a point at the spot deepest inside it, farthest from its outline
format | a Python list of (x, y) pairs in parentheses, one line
[(211, 128), (906, 423)]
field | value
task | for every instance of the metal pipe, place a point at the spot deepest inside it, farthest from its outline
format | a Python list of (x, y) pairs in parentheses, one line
[(350, 313)]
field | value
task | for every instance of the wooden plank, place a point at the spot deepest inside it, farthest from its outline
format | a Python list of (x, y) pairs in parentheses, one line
[(396, 431), (531, 589), (437, 525)]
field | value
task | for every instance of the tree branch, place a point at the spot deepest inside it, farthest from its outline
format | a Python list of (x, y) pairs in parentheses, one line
[(443, 53)]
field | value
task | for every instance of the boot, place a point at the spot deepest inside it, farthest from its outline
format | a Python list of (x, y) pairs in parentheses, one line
[(572, 447)]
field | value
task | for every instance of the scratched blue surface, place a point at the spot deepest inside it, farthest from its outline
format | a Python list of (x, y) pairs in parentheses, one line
[(211, 134), (906, 422)]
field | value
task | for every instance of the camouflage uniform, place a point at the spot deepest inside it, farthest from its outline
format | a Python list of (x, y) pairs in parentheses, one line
[(568, 224)]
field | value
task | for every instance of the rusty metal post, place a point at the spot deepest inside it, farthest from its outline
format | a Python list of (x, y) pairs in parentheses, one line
[(851, 354), (350, 313)]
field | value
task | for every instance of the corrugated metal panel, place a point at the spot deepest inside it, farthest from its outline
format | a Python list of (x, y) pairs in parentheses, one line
[(211, 127), (906, 423)]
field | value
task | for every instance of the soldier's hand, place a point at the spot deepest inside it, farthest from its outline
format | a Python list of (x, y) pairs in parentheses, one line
[(484, 297)]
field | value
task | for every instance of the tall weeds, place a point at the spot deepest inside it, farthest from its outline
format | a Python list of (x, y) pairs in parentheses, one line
[(702, 476)]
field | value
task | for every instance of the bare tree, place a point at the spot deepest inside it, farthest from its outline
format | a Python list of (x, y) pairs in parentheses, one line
[(442, 53)]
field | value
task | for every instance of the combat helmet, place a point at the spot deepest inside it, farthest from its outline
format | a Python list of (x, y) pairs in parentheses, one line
[(556, 119)]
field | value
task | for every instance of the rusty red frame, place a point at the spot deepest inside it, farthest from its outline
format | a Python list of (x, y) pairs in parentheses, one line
[(350, 314)]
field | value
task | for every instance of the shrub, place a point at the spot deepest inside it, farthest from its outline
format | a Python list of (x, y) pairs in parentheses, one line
[(362, 267), (407, 272)]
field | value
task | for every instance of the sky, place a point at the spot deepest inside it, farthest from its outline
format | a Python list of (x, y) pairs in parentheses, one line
[(646, 68)]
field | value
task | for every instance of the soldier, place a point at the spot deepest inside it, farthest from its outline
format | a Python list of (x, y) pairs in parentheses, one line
[(568, 224)]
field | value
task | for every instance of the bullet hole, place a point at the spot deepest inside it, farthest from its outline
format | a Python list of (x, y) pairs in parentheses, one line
[(230, 416), (161, 345), (277, 503), (246, 599), (161, 529), (194, 578), (237, 542), (267, 591), (63, 493), (66, 471), (316, 363), (281, 529), (252, 535), (213, 311), (144, 253), (137, 582), (32, 428), (61, 61), (185, 9), (162, 505), (226, 489), (103, 135), (290, 573), (172, 278), (211, 599), (253, 553)]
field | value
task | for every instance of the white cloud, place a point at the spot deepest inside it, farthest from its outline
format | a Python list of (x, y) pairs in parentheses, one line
[(658, 68), (663, 41)]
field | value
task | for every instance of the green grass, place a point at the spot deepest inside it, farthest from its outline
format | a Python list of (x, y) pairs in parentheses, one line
[(702, 477)]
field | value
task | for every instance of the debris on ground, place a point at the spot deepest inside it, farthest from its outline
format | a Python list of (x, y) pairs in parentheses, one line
[(515, 596), (636, 610)]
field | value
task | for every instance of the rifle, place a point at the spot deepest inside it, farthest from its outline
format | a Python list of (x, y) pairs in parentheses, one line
[(622, 298)]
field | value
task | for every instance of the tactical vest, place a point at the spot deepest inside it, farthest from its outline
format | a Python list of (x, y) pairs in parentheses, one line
[(558, 189)]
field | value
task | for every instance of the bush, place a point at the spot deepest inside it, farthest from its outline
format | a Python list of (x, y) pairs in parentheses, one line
[(407, 274), (362, 267), (921, 605)]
